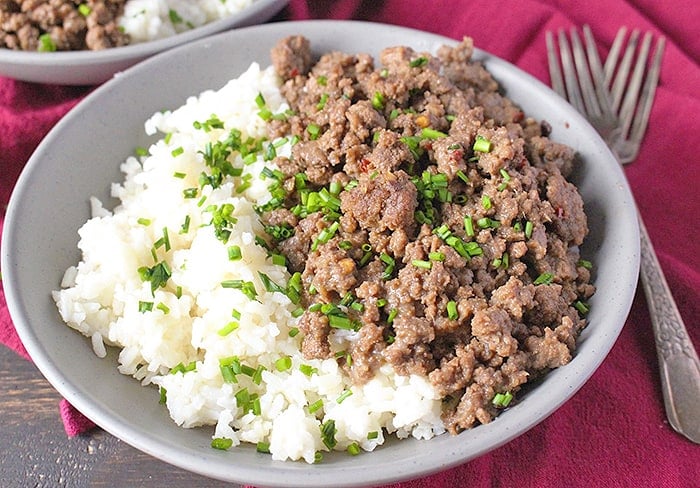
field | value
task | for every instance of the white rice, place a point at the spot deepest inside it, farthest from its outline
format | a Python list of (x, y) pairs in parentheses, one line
[(148, 20), (101, 297)]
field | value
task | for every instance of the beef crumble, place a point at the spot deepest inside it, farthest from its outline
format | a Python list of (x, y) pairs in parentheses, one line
[(428, 217), (61, 25)]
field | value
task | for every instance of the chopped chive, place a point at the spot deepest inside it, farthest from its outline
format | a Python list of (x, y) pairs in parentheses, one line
[(307, 369), (378, 100), (179, 175), (502, 399), (372, 435), (481, 144), (263, 447), (247, 287), (392, 315), (315, 406), (528, 229), (381, 302), (544, 279), (190, 192), (462, 176), (428, 133), (144, 221), (418, 62), (145, 306), (163, 395), (436, 256), (283, 363), (486, 202), (236, 314), (177, 151), (185, 225), (228, 328), (163, 308), (469, 226), (234, 253), (313, 130), (354, 449), (84, 9), (328, 432), (222, 443), (582, 307), (584, 263), (322, 101), (419, 263), (452, 312), (343, 396), (46, 43)]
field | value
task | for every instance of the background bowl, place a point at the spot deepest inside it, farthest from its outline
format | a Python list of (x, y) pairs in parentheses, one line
[(81, 157), (93, 67)]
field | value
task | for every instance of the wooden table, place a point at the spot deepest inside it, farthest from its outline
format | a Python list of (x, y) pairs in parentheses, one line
[(36, 452)]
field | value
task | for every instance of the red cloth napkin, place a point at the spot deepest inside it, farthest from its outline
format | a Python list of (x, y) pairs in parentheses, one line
[(613, 432)]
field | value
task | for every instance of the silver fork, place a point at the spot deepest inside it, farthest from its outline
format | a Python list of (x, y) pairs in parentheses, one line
[(610, 99)]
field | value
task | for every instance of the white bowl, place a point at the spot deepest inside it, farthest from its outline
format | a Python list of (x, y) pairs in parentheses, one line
[(81, 156), (93, 67)]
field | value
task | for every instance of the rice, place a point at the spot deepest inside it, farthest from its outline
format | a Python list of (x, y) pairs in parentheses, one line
[(221, 354), (148, 20)]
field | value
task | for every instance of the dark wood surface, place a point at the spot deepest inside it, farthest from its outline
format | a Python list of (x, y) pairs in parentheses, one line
[(36, 452)]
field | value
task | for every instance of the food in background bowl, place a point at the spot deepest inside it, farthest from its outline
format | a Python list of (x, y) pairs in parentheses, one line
[(319, 255), (63, 25)]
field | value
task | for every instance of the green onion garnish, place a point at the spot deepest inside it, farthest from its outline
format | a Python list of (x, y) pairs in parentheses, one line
[(46, 44), (228, 328), (452, 312), (528, 229), (222, 443), (315, 406), (378, 100), (234, 253), (283, 363), (469, 226), (354, 449), (481, 144), (343, 396), (419, 263), (328, 432), (502, 399), (418, 62), (263, 447), (544, 279)]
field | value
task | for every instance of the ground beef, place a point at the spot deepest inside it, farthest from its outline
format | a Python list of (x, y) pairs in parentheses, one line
[(61, 25), (447, 244)]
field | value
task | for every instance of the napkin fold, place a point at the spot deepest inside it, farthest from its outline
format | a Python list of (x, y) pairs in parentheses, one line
[(614, 431)]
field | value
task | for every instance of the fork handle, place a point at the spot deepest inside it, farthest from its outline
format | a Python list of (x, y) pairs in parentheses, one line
[(678, 361)]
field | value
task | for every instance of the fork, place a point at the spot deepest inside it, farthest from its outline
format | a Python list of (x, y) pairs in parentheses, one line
[(610, 99)]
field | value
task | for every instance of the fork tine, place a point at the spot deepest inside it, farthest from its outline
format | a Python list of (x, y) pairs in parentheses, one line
[(588, 92), (613, 55), (553, 61), (572, 89), (648, 92), (597, 73), (618, 88), (630, 102)]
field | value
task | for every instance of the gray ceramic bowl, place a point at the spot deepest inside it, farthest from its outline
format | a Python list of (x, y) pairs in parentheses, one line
[(81, 156), (92, 67)]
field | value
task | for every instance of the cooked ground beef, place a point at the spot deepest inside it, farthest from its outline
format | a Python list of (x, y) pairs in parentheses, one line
[(425, 212), (61, 25)]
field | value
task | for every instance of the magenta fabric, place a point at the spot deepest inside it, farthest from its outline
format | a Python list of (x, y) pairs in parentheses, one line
[(613, 432)]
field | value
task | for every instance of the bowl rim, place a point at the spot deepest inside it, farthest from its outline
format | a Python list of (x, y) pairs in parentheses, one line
[(136, 50), (509, 426)]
